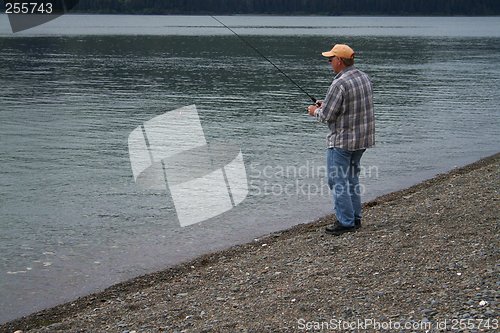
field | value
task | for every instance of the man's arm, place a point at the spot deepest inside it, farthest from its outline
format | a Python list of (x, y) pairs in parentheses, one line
[(330, 108)]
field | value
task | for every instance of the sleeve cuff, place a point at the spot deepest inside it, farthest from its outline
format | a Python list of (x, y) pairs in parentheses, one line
[(317, 112)]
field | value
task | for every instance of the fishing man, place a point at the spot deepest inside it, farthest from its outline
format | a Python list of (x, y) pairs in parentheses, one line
[(348, 111)]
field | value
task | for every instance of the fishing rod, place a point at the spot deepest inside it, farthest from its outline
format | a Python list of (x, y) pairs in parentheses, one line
[(315, 101)]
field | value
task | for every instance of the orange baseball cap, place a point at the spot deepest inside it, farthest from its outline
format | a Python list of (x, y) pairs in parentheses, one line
[(341, 51)]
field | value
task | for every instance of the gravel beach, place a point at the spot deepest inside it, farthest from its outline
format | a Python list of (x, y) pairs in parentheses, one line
[(426, 259)]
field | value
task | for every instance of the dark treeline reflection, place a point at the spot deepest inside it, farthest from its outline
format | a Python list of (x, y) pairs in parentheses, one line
[(326, 7)]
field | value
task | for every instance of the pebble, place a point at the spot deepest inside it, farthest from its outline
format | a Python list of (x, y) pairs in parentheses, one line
[(489, 313), (428, 312)]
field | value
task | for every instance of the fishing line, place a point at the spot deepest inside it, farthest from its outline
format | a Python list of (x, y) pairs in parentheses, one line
[(268, 60)]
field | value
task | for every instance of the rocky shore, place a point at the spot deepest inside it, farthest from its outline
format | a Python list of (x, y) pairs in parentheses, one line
[(426, 259)]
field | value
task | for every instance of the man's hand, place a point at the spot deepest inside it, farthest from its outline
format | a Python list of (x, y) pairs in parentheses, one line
[(311, 109)]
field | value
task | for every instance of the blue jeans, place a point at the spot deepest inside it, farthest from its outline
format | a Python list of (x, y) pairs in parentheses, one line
[(343, 179)]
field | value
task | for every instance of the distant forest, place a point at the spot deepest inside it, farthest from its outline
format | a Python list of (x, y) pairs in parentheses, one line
[(289, 7)]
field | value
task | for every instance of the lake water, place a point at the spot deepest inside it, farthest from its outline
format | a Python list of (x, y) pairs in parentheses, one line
[(72, 219)]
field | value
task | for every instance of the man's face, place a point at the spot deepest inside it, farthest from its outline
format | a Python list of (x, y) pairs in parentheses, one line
[(336, 64)]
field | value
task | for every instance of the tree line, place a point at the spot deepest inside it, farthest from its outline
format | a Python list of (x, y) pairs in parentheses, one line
[(288, 7)]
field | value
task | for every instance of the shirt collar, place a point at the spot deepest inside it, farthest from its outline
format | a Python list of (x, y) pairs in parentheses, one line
[(342, 72)]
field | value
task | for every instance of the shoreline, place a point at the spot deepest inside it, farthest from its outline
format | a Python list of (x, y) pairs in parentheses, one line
[(273, 260)]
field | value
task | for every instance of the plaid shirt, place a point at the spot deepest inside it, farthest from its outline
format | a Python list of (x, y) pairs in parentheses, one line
[(348, 111)]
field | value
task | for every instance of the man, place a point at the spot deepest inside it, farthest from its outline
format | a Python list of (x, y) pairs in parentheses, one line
[(348, 111)]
